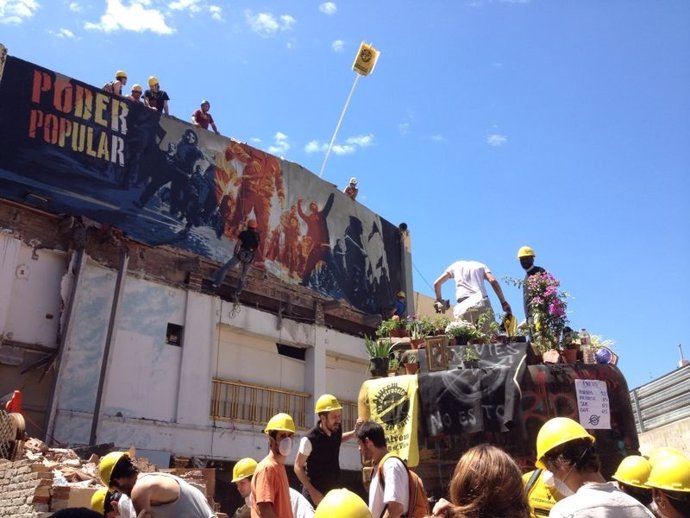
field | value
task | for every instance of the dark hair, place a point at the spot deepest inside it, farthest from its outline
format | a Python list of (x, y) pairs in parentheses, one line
[(581, 453), (679, 500), (372, 431), (124, 468), (487, 483), (111, 500), (76, 512)]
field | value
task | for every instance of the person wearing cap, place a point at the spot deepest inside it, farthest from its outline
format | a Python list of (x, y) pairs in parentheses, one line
[(351, 189), (470, 293), (270, 486), (105, 502), (115, 86), (156, 98), (135, 94), (317, 464), (154, 495), (670, 483), (632, 475), (202, 118), (244, 253), (526, 257), (567, 450), (400, 308), (242, 474), (342, 503)]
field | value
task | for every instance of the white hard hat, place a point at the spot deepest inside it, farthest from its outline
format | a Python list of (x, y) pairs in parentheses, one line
[(353, 180)]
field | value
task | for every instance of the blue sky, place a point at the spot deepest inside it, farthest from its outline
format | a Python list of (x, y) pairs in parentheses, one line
[(487, 125)]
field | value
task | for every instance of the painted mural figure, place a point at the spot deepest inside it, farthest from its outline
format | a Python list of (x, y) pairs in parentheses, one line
[(199, 197), (317, 231), (180, 166), (260, 180)]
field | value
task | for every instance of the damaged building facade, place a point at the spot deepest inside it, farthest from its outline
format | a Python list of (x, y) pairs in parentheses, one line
[(113, 220)]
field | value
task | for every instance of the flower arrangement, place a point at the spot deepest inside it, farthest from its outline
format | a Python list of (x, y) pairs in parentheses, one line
[(548, 307), (395, 323), (463, 331)]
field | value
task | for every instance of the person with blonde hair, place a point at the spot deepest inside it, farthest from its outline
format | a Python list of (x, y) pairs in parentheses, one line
[(486, 483)]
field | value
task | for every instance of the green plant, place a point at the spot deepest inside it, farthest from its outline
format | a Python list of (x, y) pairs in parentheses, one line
[(380, 348), (463, 330), (469, 353), (392, 324), (393, 364), (597, 342), (410, 357)]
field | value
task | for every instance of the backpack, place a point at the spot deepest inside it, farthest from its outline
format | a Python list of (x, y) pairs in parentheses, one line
[(108, 87), (418, 504)]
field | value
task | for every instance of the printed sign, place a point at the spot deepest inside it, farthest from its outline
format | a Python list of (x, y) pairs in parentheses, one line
[(593, 404)]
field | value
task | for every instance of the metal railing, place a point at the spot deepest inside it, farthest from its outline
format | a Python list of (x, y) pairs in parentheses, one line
[(249, 403), (256, 404)]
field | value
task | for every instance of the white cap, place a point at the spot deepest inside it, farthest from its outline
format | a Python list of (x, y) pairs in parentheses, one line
[(353, 180)]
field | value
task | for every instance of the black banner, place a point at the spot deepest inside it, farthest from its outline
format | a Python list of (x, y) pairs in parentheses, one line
[(466, 400)]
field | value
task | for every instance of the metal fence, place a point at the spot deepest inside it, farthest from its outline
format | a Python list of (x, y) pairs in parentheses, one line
[(662, 401), (256, 404)]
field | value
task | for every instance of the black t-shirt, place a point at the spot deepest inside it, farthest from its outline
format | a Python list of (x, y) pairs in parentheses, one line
[(157, 100), (249, 239)]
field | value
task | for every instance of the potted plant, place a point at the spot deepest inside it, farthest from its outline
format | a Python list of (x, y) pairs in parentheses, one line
[(379, 352), (393, 366), (410, 360), (548, 307), (417, 333), (438, 324), (462, 331), (470, 358), (570, 345), (392, 327)]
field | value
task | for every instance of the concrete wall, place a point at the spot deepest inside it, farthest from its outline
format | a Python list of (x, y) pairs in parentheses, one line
[(676, 435)]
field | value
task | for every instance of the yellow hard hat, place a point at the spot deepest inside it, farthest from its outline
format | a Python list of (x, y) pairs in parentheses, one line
[(153, 80), (327, 403), (555, 432), (662, 452), (280, 423), (107, 464), (633, 471), (98, 500), (671, 473), (244, 468), (120, 73), (137, 88), (342, 503), (526, 251), (401, 294)]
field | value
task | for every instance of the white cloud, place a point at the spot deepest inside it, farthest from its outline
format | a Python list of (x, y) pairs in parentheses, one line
[(75, 7), (338, 45), (328, 8), (404, 128), (496, 140), (361, 140), (216, 12), (266, 25), (438, 138), (256, 140), (62, 33), (350, 146), (134, 17), (280, 144), (16, 11), (181, 5)]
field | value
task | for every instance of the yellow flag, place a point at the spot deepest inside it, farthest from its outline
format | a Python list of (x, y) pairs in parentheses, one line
[(394, 404), (366, 59)]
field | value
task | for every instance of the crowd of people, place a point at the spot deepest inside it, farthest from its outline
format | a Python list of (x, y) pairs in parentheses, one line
[(157, 99), (486, 482)]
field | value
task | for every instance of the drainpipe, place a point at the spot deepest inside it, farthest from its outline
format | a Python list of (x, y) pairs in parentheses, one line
[(78, 262), (109, 340), (406, 266)]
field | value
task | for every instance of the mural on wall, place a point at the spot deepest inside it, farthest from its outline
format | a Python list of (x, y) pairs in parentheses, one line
[(70, 148)]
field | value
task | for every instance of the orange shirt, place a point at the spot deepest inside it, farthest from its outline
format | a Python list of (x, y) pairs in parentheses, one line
[(270, 484)]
